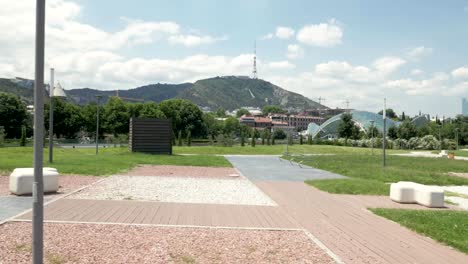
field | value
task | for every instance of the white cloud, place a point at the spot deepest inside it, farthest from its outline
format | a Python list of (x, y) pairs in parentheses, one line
[(322, 35), (421, 87), (294, 51), (416, 72), (419, 52), (388, 65), (268, 36), (193, 40), (280, 65), (461, 72), (284, 32)]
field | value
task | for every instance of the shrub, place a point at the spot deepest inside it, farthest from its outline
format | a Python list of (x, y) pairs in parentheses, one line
[(179, 139), (23, 136), (189, 138), (242, 139), (429, 142), (225, 140), (400, 143), (2, 136), (414, 143)]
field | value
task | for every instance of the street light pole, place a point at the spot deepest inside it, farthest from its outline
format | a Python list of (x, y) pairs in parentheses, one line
[(38, 185), (98, 97), (372, 136), (384, 130), (51, 116)]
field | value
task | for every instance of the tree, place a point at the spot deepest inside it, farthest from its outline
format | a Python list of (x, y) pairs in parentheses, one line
[(389, 113), (173, 139), (267, 109), (23, 136), (13, 115), (212, 126), (2, 136), (179, 139), (392, 132), (150, 110), (273, 141), (346, 126), (68, 118), (242, 112), (309, 139), (185, 115), (242, 138), (279, 134), (263, 137), (231, 126), (301, 139), (403, 116), (221, 112), (189, 138), (407, 130), (252, 142), (116, 116)]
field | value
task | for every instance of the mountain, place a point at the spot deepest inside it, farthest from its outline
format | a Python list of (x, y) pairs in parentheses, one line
[(228, 92), (8, 86)]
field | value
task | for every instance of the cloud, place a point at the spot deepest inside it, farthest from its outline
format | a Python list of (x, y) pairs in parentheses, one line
[(460, 73), (280, 65), (193, 40), (321, 35), (421, 87), (389, 64), (284, 32), (268, 36), (294, 51), (419, 52), (416, 72)]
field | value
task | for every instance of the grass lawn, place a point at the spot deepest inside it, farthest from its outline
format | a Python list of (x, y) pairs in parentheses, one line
[(367, 176), (109, 161), (272, 150), (448, 227)]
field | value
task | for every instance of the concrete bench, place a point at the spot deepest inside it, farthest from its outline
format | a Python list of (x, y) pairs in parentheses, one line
[(21, 180), (410, 192)]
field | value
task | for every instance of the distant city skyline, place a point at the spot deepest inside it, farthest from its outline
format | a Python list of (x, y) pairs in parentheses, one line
[(413, 53)]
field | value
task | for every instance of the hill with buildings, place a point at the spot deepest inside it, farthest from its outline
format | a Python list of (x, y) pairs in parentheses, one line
[(228, 92)]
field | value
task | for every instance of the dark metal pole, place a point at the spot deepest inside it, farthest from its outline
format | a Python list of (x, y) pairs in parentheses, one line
[(372, 136), (384, 131), (98, 97), (51, 116), (38, 189)]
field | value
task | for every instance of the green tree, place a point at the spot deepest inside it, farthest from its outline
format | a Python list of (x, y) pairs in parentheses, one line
[(231, 126), (179, 139), (173, 139), (13, 115), (309, 139), (221, 112), (389, 113), (116, 117), (185, 115), (392, 132), (301, 139), (252, 142), (263, 137), (273, 141), (346, 126), (279, 134), (2, 136), (189, 138), (150, 110), (242, 112), (23, 136), (407, 130), (242, 138), (68, 118), (212, 126), (267, 109)]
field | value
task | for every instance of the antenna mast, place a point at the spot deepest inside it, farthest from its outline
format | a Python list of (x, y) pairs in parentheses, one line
[(254, 71)]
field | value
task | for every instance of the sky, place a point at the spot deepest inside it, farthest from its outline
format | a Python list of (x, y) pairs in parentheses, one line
[(414, 53)]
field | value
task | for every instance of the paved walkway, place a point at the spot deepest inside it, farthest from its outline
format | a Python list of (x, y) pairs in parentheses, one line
[(159, 213), (11, 206), (277, 169)]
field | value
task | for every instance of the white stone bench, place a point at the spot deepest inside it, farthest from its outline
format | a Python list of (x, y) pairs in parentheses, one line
[(410, 192), (21, 180)]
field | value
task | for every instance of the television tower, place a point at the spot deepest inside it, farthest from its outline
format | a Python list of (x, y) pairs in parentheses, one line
[(254, 71)]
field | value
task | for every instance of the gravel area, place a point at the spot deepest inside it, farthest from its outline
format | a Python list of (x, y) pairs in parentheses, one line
[(87, 243), (459, 174), (183, 171), (176, 189), (67, 183)]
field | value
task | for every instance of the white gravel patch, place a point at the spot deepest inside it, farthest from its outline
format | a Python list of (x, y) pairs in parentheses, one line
[(461, 202), (463, 189), (178, 190)]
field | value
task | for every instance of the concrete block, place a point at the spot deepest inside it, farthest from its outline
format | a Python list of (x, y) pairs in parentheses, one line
[(21, 180)]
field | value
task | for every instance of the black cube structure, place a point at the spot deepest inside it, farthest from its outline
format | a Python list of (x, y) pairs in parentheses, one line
[(150, 135)]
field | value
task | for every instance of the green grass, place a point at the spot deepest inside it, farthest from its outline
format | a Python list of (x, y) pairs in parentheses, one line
[(448, 227), (109, 161), (273, 150), (367, 176)]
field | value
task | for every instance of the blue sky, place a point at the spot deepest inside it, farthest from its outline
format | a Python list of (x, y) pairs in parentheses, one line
[(412, 52)]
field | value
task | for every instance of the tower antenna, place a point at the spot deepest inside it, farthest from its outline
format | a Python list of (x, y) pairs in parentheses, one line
[(254, 71)]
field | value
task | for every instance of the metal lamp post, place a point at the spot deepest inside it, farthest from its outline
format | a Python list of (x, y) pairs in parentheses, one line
[(98, 98), (372, 135), (38, 185), (53, 92), (384, 131)]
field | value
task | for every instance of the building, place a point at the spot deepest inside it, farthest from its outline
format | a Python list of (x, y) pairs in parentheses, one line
[(300, 122), (464, 107), (256, 122)]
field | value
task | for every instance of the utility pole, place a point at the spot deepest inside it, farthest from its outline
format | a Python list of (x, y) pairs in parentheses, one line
[(98, 97), (51, 116), (372, 135), (384, 131), (347, 105), (38, 185)]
